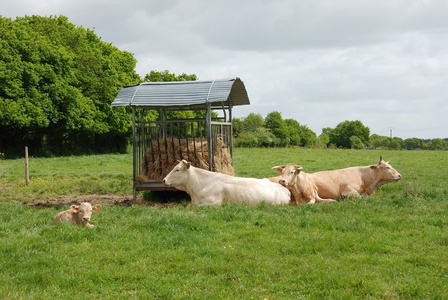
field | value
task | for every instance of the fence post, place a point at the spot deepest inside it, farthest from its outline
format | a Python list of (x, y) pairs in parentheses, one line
[(27, 171)]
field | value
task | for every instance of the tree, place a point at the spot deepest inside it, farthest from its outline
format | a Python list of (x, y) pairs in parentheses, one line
[(340, 136), (379, 142), (252, 122), (237, 125), (56, 85), (275, 124), (246, 139), (322, 141), (356, 143), (396, 143), (437, 144), (250, 132), (299, 135), (164, 76), (414, 144)]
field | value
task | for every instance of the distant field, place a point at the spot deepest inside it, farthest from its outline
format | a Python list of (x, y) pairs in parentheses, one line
[(393, 245)]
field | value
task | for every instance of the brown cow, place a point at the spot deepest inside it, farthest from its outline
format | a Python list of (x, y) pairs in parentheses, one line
[(354, 181), (300, 184)]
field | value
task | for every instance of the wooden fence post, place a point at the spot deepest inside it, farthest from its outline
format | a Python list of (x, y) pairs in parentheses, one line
[(27, 171)]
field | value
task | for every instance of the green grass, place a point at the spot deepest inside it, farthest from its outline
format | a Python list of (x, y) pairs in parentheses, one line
[(393, 245), (52, 177)]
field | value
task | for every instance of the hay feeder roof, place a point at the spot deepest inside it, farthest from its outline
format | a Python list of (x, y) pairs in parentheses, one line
[(220, 93)]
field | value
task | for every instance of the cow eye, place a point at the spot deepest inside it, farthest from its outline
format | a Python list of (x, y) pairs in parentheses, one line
[(177, 170)]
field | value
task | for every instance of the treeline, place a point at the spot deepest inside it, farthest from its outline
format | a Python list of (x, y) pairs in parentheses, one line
[(274, 131), (396, 143)]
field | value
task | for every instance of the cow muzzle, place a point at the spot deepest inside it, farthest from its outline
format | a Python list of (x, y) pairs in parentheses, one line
[(283, 182)]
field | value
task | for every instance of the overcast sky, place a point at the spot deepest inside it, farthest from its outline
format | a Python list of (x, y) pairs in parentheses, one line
[(383, 62)]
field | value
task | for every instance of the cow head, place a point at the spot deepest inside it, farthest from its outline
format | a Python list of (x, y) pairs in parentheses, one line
[(85, 211), (385, 172), (178, 175), (289, 172)]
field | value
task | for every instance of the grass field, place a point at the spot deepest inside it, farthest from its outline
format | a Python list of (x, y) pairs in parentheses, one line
[(392, 245)]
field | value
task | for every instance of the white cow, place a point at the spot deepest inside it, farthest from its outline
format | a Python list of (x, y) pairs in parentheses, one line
[(79, 215), (212, 188)]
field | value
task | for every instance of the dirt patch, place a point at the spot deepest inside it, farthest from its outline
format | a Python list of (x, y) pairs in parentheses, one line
[(119, 200)]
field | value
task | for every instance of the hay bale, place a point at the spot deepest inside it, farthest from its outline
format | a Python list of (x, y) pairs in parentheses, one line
[(163, 154), (222, 159)]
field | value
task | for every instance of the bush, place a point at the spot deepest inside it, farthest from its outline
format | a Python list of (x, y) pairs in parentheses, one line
[(356, 143)]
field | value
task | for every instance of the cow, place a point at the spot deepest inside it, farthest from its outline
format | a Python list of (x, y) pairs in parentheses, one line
[(354, 181), (300, 184), (212, 188), (79, 215)]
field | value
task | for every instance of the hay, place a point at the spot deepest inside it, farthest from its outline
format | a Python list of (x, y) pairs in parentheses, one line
[(163, 154)]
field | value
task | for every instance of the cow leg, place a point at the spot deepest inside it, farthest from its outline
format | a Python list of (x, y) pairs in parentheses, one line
[(202, 201), (321, 200), (351, 192)]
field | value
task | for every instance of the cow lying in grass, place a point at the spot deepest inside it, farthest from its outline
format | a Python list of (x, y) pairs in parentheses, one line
[(337, 184), (354, 181), (300, 184), (212, 188), (79, 215)]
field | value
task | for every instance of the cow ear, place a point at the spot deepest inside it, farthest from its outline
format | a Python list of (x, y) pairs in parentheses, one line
[(298, 169), (96, 207), (74, 208), (186, 164), (279, 169), (373, 167)]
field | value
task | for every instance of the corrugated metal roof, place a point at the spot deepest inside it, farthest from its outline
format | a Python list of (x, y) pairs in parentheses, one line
[(227, 92)]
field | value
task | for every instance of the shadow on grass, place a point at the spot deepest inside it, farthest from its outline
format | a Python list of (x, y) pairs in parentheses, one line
[(166, 197)]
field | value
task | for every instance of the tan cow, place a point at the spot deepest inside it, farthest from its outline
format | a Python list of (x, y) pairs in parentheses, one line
[(277, 179), (212, 188), (300, 184), (79, 215), (354, 181)]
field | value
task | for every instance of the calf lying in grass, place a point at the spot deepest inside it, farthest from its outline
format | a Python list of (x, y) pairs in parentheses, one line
[(79, 215)]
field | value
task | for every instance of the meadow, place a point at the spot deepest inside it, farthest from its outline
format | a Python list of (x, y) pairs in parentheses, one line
[(392, 245)]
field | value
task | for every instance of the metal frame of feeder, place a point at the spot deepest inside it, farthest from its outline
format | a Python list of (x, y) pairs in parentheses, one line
[(150, 137)]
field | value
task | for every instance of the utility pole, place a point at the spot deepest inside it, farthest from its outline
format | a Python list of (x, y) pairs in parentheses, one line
[(390, 130)]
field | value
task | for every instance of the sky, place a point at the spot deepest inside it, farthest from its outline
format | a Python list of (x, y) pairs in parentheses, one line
[(320, 62)]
